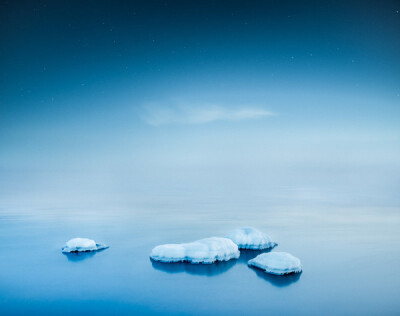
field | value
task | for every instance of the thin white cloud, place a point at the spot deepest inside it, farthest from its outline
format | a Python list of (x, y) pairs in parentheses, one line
[(157, 115)]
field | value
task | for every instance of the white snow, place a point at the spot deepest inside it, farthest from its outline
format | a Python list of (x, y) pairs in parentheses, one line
[(277, 263), (82, 244), (251, 238), (207, 250)]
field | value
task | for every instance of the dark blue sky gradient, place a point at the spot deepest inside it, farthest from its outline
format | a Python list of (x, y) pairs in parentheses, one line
[(55, 50)]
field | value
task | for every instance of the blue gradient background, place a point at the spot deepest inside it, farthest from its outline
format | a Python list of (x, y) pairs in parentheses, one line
[(128, 122), (77, 78)]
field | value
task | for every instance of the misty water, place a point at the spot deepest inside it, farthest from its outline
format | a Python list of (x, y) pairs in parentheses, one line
[(349, 251)]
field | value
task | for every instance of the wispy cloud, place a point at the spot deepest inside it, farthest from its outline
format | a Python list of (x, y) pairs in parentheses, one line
[(201, 114)]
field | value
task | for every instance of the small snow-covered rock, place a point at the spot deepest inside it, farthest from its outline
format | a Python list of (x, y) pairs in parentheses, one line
[(277, 263), (207, 250), (81, 245), (251, 238)]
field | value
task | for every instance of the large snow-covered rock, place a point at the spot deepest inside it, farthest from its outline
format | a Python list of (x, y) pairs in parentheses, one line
[(251, 238), (207, 250), (276, 263), (82, 245)]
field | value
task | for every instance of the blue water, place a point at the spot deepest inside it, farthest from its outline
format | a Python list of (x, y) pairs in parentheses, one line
[(350, 258)]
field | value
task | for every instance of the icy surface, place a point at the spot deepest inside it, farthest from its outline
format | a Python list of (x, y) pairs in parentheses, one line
[(276, 263), (251, 238), (81, 245), (207, 250)]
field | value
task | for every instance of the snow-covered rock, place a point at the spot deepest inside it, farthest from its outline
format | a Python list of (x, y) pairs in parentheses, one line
[(251, 238), (276, 263), (207, 250), (81, 245)]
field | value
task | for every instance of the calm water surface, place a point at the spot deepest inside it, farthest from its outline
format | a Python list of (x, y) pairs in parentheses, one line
[(350, 257)]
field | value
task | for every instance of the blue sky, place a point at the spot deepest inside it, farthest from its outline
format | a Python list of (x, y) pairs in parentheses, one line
[(248, 94)]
